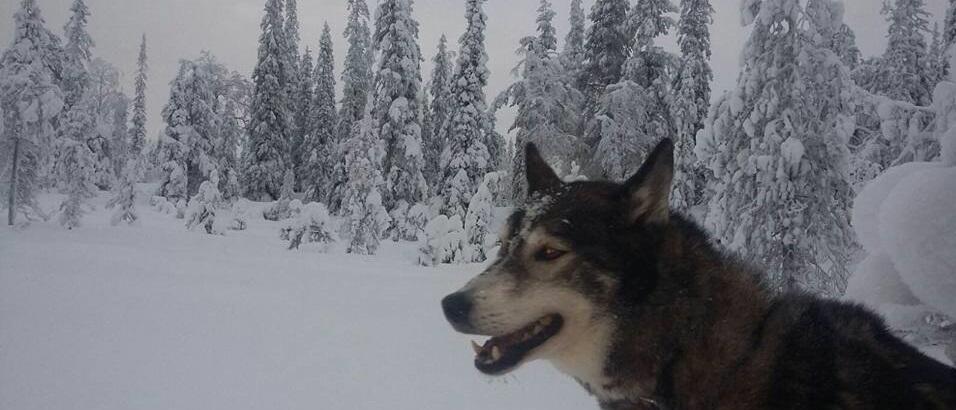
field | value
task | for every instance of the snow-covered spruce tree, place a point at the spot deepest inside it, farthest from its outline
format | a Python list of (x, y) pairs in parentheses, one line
[(137, 133), (77, 54), (437, 112), (233, 94), (606, 46), (949, 27), (293, 83), (313, 225), (321, 143), (102, 97), (938, 61), (573, 52), (282, 208), (468, 129), (547, 102), (124, 195), (479, 237), (356, 80), (270, 126), (303, 113), (204, 206), (397, 83), (904, 72), (75, 169), (119, 136), (634, 113), (691, 100), (777, 148), (365, 217), (444, 237), (30, 99), (191, 126)]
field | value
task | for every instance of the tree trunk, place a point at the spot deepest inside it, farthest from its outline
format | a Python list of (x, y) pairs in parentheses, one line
[(12, 210)]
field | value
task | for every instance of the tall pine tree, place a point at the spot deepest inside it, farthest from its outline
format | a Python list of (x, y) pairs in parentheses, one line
[(437, 112), (356, 79), (905, 72), (691, 99), (270, 128), (547, 103), (776, 146), (321, 143), (395, 114), (77, 53), (574, 41), (468, 130), (30, 99), (137, 133)]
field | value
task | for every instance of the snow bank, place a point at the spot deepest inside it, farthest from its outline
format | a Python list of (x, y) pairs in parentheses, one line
[(918, 232)]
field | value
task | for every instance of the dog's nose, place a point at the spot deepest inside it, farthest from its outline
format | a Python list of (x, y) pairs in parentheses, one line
[(457, 306)]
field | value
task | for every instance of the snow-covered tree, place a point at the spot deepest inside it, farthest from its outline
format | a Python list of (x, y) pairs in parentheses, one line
[(949, 27), (320, 145), (573, 52), (30, 99), (443, 241), (437, 112), (777, 148), (479, 238), (119, 136), (77, 54), (75, 168), (302, 115), (691, 99), (104, 98), (296, 81), (468, 132), (191, 128), (232, 93), (137, 133), (547, 102), (606, 47), (204, 206), (271, 122), (312, 225), (356, 80), (633, 114), (904, 72), (365, 217), (395, 111), (124, 196)]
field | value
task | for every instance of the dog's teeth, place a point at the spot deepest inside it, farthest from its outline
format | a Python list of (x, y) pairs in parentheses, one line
[(476, 347), (495, 353)]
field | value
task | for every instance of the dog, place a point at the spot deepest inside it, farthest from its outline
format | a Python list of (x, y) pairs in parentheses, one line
[(635, 302)]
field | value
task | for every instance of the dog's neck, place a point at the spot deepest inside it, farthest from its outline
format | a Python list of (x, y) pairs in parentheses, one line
[(687, 337)]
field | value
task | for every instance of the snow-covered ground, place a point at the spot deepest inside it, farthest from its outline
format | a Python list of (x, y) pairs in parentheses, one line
[(155, 317)]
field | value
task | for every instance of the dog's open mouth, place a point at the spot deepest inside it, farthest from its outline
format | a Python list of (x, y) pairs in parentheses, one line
[(502, 353)]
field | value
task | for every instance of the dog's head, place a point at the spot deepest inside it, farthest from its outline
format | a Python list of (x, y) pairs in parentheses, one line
[(563, 266)]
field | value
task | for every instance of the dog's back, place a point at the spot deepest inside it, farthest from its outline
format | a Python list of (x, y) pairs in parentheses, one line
[(836, 355)]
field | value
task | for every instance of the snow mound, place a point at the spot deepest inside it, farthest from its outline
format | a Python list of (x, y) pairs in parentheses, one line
[(866, 206), (918, 232), (876, 282)]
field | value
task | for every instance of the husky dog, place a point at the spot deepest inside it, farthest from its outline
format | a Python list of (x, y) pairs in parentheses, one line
[(633, 301)]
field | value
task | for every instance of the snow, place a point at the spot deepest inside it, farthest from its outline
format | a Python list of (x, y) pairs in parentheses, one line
[(152, 317), (918, 231)]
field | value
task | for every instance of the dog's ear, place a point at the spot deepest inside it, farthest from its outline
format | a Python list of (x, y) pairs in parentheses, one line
[(648, 191), (540, 175)]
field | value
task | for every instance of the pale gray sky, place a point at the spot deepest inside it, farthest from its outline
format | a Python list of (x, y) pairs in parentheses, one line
[(230, 29)]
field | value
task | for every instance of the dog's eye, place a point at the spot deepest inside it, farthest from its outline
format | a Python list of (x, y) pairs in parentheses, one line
[(549, 254)]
